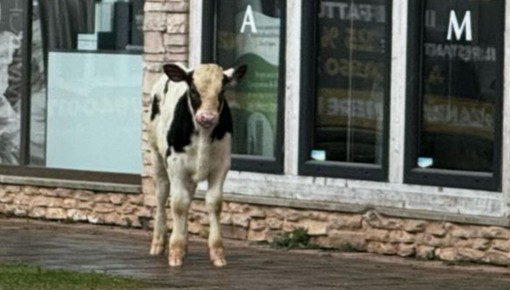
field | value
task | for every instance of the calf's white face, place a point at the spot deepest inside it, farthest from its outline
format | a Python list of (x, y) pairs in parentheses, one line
[(206, 85)]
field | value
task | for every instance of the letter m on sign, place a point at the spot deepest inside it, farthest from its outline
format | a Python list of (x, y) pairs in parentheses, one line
[(453, 26)]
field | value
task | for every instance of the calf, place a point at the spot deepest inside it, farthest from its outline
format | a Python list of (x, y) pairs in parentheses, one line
[(190, 135)]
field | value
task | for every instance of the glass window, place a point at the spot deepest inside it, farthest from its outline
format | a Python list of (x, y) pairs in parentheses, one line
[(85, 85), (11, 72), (351, 89), (77, 107), (460, 91), (250, 32)]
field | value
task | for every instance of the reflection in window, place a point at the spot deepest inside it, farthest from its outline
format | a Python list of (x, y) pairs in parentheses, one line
[(11, 33), (248, 32), (352, 66), (461, 67), (85, 103)]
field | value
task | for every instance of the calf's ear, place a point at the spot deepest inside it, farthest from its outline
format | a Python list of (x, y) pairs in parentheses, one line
[(175, 73), (233, 76)]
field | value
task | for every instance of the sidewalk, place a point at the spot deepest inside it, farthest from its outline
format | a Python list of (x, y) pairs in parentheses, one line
[(125, 252)]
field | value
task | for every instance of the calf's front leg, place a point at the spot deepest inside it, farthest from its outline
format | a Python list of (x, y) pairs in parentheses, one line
[(214, 201), (182, 193)]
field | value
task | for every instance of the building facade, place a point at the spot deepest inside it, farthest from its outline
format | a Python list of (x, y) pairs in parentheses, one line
[(377, 125)]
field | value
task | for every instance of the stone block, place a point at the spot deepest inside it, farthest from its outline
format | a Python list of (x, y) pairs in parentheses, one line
[(117, 199), (37, 212), (226, 218), (95, 219), (379, 235), (136, 199), (56, 213), (112, 218), (103, 208), (77, 215), (501, 245), (496, 257), (20, 212), (470, 255), (274, 223), (84, 195), (382, 248), (64, 192), (28, 190), (154, 21), (153, 42), (343, 238), (258, 235), (401, 237), (177, 23), (257, 225), (167, 6), (375, 220), (447, 254), (436, 229), (101, 197), (464, 231), (85, 205), (13, 189), (7, 198), (276, 213), (234, 232), (433, 241), (345, 222), (425, 252), (314, 227), (69, 203), (256, 212), (241, 220), (495, 233), (47, 191), (174, 40), (474, 243), (406, 250)]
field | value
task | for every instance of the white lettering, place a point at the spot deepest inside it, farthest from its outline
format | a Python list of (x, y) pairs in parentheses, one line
[(249, 20), (454, 26)]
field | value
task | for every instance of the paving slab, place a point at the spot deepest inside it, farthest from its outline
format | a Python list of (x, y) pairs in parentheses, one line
[(125, 252)]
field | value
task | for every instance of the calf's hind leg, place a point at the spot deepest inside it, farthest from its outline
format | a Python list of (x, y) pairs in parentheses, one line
[(162, 192)]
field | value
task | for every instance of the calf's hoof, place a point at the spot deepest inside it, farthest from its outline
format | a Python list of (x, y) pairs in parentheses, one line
[(219, 262), (175, 258), (218, 258), (157, 247)]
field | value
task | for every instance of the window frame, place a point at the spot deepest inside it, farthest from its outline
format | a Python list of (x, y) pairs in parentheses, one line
[(24, 168), (242, 162), (341, 169), (442, 177)]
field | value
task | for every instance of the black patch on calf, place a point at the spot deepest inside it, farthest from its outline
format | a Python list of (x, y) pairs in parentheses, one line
[(224, 123), (155, 107), (181, 129), (166, 86)]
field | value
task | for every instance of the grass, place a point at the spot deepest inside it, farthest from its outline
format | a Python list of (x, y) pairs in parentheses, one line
[(297, 238), (24, 277)]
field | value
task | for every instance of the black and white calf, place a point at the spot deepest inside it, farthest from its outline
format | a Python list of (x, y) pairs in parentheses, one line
[(190, 135)]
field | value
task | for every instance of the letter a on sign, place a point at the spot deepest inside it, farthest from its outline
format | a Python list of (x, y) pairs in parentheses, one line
[(459, 30), (249, 20)]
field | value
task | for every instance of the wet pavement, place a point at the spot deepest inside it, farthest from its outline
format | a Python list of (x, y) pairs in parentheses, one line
[(125, 252)]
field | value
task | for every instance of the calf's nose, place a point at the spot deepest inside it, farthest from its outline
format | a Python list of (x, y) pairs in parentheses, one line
[(206, 119)]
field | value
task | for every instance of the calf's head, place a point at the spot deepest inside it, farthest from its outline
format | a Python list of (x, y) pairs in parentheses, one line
[(206, 86)]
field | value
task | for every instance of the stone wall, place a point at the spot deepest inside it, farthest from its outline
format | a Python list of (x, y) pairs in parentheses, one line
[(368, 232)]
